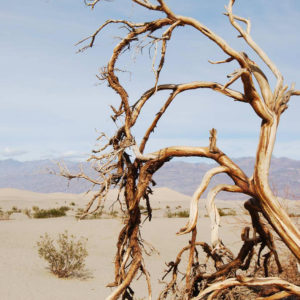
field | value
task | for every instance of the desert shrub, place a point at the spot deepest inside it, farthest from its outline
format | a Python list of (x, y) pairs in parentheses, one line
[(14, 209), (96, 215), (35, 208), (226, 212), (4, 215), (178, 214), (27, 212), (65, 256), (64, 208), (72, 203), (113, 213), (79, 212), (50, 213), (183, 214)]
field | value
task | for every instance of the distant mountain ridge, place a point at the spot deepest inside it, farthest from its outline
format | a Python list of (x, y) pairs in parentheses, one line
[(180, 176)]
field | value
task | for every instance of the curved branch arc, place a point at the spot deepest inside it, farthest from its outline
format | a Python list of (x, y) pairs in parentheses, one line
[(196, 196)]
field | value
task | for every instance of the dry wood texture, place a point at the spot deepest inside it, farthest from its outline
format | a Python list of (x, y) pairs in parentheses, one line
[(132, 175)]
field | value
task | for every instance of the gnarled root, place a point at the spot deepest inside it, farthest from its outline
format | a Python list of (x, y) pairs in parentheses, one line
[(201, 284), (267, 238), (128, 262), (287, 287)]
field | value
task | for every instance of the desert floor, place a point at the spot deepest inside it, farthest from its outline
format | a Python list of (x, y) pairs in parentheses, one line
[(25, 276)]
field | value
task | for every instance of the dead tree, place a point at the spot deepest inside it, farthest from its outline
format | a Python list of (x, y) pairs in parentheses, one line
[(132, 174)]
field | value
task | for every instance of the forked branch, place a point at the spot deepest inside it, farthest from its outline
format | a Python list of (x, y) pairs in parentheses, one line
[(132, 174)]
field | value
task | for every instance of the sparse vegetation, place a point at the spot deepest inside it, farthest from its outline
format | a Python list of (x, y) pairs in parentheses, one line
[(14, 209), (96, 215), (177, 214), (8, 213), (49, 213), (27, 212), (35, 208), (226, 212), (113, 213), (65, 256), (79, 212), (4, 215)]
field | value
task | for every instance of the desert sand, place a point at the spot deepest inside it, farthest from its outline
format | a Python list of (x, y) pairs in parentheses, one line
[(24, 276)]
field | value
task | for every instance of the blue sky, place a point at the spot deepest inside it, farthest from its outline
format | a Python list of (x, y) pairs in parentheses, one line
[(52, 105)]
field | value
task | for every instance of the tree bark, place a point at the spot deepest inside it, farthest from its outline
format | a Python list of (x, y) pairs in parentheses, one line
[(270, 205)]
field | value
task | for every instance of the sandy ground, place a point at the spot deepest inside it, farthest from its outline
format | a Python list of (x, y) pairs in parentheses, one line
[(24, 276), (161, 199)]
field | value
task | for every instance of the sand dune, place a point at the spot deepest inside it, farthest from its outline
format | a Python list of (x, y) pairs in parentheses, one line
[(23, 198), (24, 276)]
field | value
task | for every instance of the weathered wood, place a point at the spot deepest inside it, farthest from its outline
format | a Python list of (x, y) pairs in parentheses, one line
[(132, 174)]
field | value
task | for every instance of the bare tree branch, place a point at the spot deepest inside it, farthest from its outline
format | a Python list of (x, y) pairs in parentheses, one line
[(245, 281), (132, 174), (255, 47), (196, 196), (214, 213), (229, 59), (147, 4)]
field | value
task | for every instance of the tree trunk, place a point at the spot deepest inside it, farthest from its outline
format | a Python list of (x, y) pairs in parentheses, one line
[(270, 205)]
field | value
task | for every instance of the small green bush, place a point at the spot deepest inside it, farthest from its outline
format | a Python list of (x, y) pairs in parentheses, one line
[(113, 213), (178, 214), (96, 215), (49, 213), (183, 214), (35, 208), (14, 209), (65, 256), (226, 212), (4, 215)]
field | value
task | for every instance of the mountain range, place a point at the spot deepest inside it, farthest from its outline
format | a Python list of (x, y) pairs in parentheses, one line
[(180, 176)]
